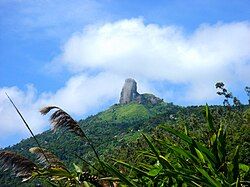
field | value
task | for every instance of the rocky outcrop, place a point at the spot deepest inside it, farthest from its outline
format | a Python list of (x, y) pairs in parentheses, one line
[(148, 99), (129, 91), (129, 94)]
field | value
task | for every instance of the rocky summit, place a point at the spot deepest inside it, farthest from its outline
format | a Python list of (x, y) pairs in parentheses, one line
[(129, 91), (129, 94)]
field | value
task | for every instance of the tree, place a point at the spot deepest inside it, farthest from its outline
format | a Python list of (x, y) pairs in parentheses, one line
[(247, 89)]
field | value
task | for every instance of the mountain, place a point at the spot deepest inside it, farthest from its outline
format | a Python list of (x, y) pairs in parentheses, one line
[(110, 130), (118, 125), (116, 131)]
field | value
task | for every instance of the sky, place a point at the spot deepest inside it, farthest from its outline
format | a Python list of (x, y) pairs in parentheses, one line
[(76, 55)]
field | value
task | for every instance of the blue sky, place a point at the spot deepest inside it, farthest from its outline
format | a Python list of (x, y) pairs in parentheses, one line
[(76, 54)]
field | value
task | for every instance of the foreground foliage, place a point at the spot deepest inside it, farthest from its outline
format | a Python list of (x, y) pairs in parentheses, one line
[(189, 163), (174, 160)]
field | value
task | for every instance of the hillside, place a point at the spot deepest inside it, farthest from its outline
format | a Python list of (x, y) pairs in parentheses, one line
[(110, 129), (118, 120), (116, 132)]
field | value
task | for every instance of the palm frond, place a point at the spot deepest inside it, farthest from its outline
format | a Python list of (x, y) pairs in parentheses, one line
[(60, 119), (19, 165), (46, 158)]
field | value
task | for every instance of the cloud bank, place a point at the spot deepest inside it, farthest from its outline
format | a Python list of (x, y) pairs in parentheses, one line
[(81, 95), (151, 52), (178, 66)]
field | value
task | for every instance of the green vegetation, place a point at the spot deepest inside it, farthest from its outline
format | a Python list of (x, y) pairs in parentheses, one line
[(120, 113), (187, 162), (138, 145)]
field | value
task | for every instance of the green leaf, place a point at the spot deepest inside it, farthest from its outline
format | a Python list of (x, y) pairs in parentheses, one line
[(244, 167), (131, 167), (185, 175), (213, 138), (183, 152), (210, 180), (85, 184), (119, 175), (236, 164), (185, 130), (182, 136), (77, 168), (190, 141), (238, 182), (207, 153), (209, 118), (155, 171), (165, 163), (152, 147), (200, 155), (221, 144)]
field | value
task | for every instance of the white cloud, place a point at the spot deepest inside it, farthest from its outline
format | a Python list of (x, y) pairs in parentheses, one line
[(167, 53), (10, 123), (81, 95), (102, 56)]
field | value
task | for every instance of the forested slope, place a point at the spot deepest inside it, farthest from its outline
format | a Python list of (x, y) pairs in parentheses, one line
[(116, 132)]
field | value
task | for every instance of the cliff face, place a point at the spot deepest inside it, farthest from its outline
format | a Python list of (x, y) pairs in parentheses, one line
[(129, 93)]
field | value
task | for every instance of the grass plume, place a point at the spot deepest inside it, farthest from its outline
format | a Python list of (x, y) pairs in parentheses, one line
[(60, 119), (41, 153), (19, 165)]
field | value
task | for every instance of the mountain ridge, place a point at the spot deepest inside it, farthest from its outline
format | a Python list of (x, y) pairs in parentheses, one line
[(112, 130)]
